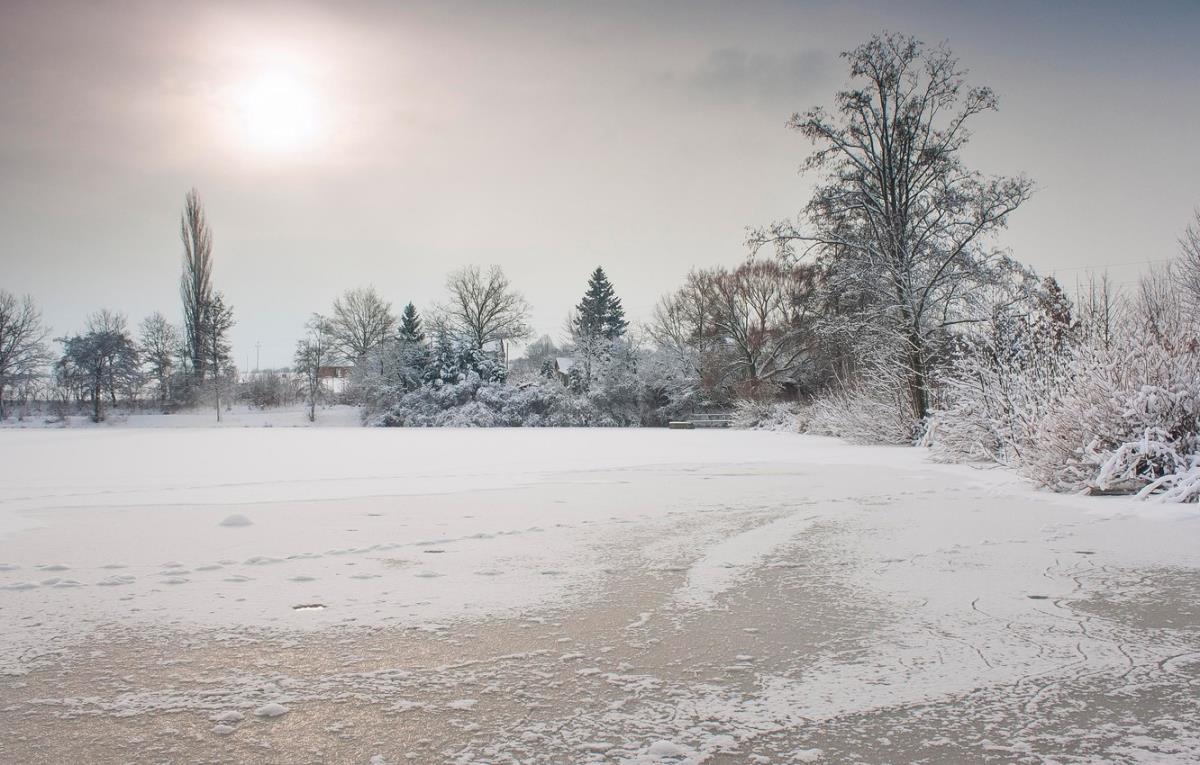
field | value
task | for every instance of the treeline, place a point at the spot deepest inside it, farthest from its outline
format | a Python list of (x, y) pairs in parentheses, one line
[(108, 363)]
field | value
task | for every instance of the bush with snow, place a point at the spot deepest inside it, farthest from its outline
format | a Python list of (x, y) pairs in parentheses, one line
[(1082, 406), (1127, 423), (867, 413), (784, 417)]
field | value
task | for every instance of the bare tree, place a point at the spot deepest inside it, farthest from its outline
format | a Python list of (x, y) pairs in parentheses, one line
[(195, 286), (22, 342), (763, 317), (485, 309), (1187, 267), (312, 353), (682, 324), (1101, 310), (361, 322), (900, 218), (160, 346)]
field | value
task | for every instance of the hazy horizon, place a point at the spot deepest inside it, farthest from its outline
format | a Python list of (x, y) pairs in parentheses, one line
[(545, 138)]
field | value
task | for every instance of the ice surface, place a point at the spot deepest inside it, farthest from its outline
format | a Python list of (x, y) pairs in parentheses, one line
[(578, 596)]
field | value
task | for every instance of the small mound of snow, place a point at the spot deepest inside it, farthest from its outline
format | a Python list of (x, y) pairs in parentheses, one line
[(237, 519), (19, 586), (807, 755), (221, 729), (272, 709), (665, 749), (232, 716)]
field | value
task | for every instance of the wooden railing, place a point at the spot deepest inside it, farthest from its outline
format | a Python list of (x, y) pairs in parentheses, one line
[(703, 420)]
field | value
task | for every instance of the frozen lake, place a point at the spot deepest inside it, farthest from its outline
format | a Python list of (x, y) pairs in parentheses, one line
[(350, 595)]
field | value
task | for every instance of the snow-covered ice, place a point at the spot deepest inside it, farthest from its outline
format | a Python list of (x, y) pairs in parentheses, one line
[(607, 596)]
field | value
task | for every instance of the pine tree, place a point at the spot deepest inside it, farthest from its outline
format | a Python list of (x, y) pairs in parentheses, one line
[(410, 325), (600, 314)]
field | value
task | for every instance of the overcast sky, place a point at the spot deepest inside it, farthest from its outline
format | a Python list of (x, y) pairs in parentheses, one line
[(385, 144)]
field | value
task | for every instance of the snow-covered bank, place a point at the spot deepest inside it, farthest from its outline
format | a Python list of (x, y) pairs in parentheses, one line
[(240, 416), (645, 596)]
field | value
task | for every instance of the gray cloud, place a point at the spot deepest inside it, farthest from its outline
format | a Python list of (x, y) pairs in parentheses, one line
[(767, 80)]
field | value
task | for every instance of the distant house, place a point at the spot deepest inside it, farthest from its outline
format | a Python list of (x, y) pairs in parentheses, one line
[(334, 378), (562, 368)]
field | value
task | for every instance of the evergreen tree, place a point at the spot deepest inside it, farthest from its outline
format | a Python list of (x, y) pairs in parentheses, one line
[(410, 325), (218, 320), (600, 314)]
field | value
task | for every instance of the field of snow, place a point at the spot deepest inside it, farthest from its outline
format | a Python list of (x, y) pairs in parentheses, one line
[(351, 595)]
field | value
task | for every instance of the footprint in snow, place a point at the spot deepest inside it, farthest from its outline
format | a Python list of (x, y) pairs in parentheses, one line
[(427, 574), (116, 580), (236, 520), (54, 567)]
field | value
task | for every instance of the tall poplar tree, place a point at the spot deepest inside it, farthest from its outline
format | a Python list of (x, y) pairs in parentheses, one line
[(195, 287)]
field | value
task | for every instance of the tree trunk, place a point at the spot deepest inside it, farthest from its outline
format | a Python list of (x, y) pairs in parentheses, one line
[(917, 377), (97, 403)]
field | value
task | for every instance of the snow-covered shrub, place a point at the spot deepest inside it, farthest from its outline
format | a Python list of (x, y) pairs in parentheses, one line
[(1109, 403), (761, 415), (865, 414), (668, 385), (1128, 423), (995, 393), (478, 403)]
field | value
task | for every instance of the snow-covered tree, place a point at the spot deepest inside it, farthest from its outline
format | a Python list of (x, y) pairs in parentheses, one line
[(411, 329), (101, 362), (599, 314), (313, 351), (23, 349), (1187, 267), (484, 309), (160, 344), (218, 320), (899, 219), (360, 322)]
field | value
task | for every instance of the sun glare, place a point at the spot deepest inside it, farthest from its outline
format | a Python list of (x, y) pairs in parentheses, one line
[(278, 112)]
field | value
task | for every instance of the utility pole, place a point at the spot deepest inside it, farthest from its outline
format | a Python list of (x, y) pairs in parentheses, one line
[(257, 348)]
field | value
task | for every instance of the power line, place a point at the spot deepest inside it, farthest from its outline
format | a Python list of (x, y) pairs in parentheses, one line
[(1111, 265)]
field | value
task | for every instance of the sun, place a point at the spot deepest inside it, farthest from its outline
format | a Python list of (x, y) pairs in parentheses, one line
[(278, 112)]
